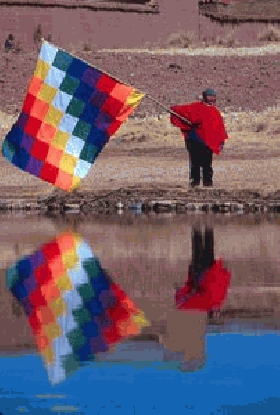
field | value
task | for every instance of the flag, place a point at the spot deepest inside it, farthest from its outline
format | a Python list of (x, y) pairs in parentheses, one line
[(73, 307), (70, 111)]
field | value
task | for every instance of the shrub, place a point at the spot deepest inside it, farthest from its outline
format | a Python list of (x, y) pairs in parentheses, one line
[(272, 34), (181, 39), (87, 48), (276, 131), (228, 41), (18, 48), (261, 127)]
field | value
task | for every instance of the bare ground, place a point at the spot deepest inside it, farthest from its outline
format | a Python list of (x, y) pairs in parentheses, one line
[(151, 152)]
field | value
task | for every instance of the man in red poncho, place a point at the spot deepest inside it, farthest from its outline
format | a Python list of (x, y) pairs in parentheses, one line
[(204, 135)]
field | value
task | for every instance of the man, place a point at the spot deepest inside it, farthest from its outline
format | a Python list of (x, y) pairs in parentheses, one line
[(204, 135), (9, 43)]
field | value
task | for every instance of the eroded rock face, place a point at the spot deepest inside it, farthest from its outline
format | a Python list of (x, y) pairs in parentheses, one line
[(241, 11)]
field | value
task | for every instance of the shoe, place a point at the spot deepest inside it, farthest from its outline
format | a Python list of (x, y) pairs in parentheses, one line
[(208, 184), (194, 184)]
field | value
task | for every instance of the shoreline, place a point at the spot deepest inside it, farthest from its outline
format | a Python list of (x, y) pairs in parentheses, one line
[(147, 199)]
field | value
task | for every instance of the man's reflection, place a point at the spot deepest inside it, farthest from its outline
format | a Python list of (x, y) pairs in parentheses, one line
[(73, 307), (203, 292), (208, 280)]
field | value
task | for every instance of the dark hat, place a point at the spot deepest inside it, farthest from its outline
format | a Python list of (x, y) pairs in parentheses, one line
[(209, 91)]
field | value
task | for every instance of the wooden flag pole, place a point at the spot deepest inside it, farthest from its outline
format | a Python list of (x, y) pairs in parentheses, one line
[(146, 95), (168, 109)]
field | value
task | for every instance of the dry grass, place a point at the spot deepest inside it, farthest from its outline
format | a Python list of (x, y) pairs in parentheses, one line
[(6, 121), (181, 39), (185, 40), (228, 41), (247, 122), (271, 34), (265, 122)]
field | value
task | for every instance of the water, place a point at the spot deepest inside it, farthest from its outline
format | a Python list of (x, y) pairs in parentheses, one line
[(132, 266)]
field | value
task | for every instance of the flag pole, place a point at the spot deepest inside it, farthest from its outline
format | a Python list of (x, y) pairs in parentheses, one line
[(118, 80), (168, 109)]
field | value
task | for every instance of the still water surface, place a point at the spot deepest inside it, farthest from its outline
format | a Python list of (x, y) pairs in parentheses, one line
[(126, 276)]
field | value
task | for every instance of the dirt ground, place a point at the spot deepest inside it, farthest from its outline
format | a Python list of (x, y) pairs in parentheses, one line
[(151, 152)]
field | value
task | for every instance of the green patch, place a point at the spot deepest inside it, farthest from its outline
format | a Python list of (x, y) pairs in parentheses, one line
[(8, 150), (69, 85), (75, 107), (12, 276), (86, 292), (89, 152), (92, 267), (82, 130), (76, 339), (62, 60), (70, 364), (82, 316)]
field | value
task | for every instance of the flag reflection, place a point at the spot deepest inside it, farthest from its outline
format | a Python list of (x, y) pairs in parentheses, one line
[(73, 307)]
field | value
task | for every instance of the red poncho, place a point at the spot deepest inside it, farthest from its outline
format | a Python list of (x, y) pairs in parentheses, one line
[(211, 128), (212, 291)]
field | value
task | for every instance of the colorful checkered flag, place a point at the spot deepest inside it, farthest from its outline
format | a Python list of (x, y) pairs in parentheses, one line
[(70, 111)]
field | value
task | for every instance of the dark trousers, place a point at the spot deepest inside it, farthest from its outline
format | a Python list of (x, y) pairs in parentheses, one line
[(202, 254), (200, 156)]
